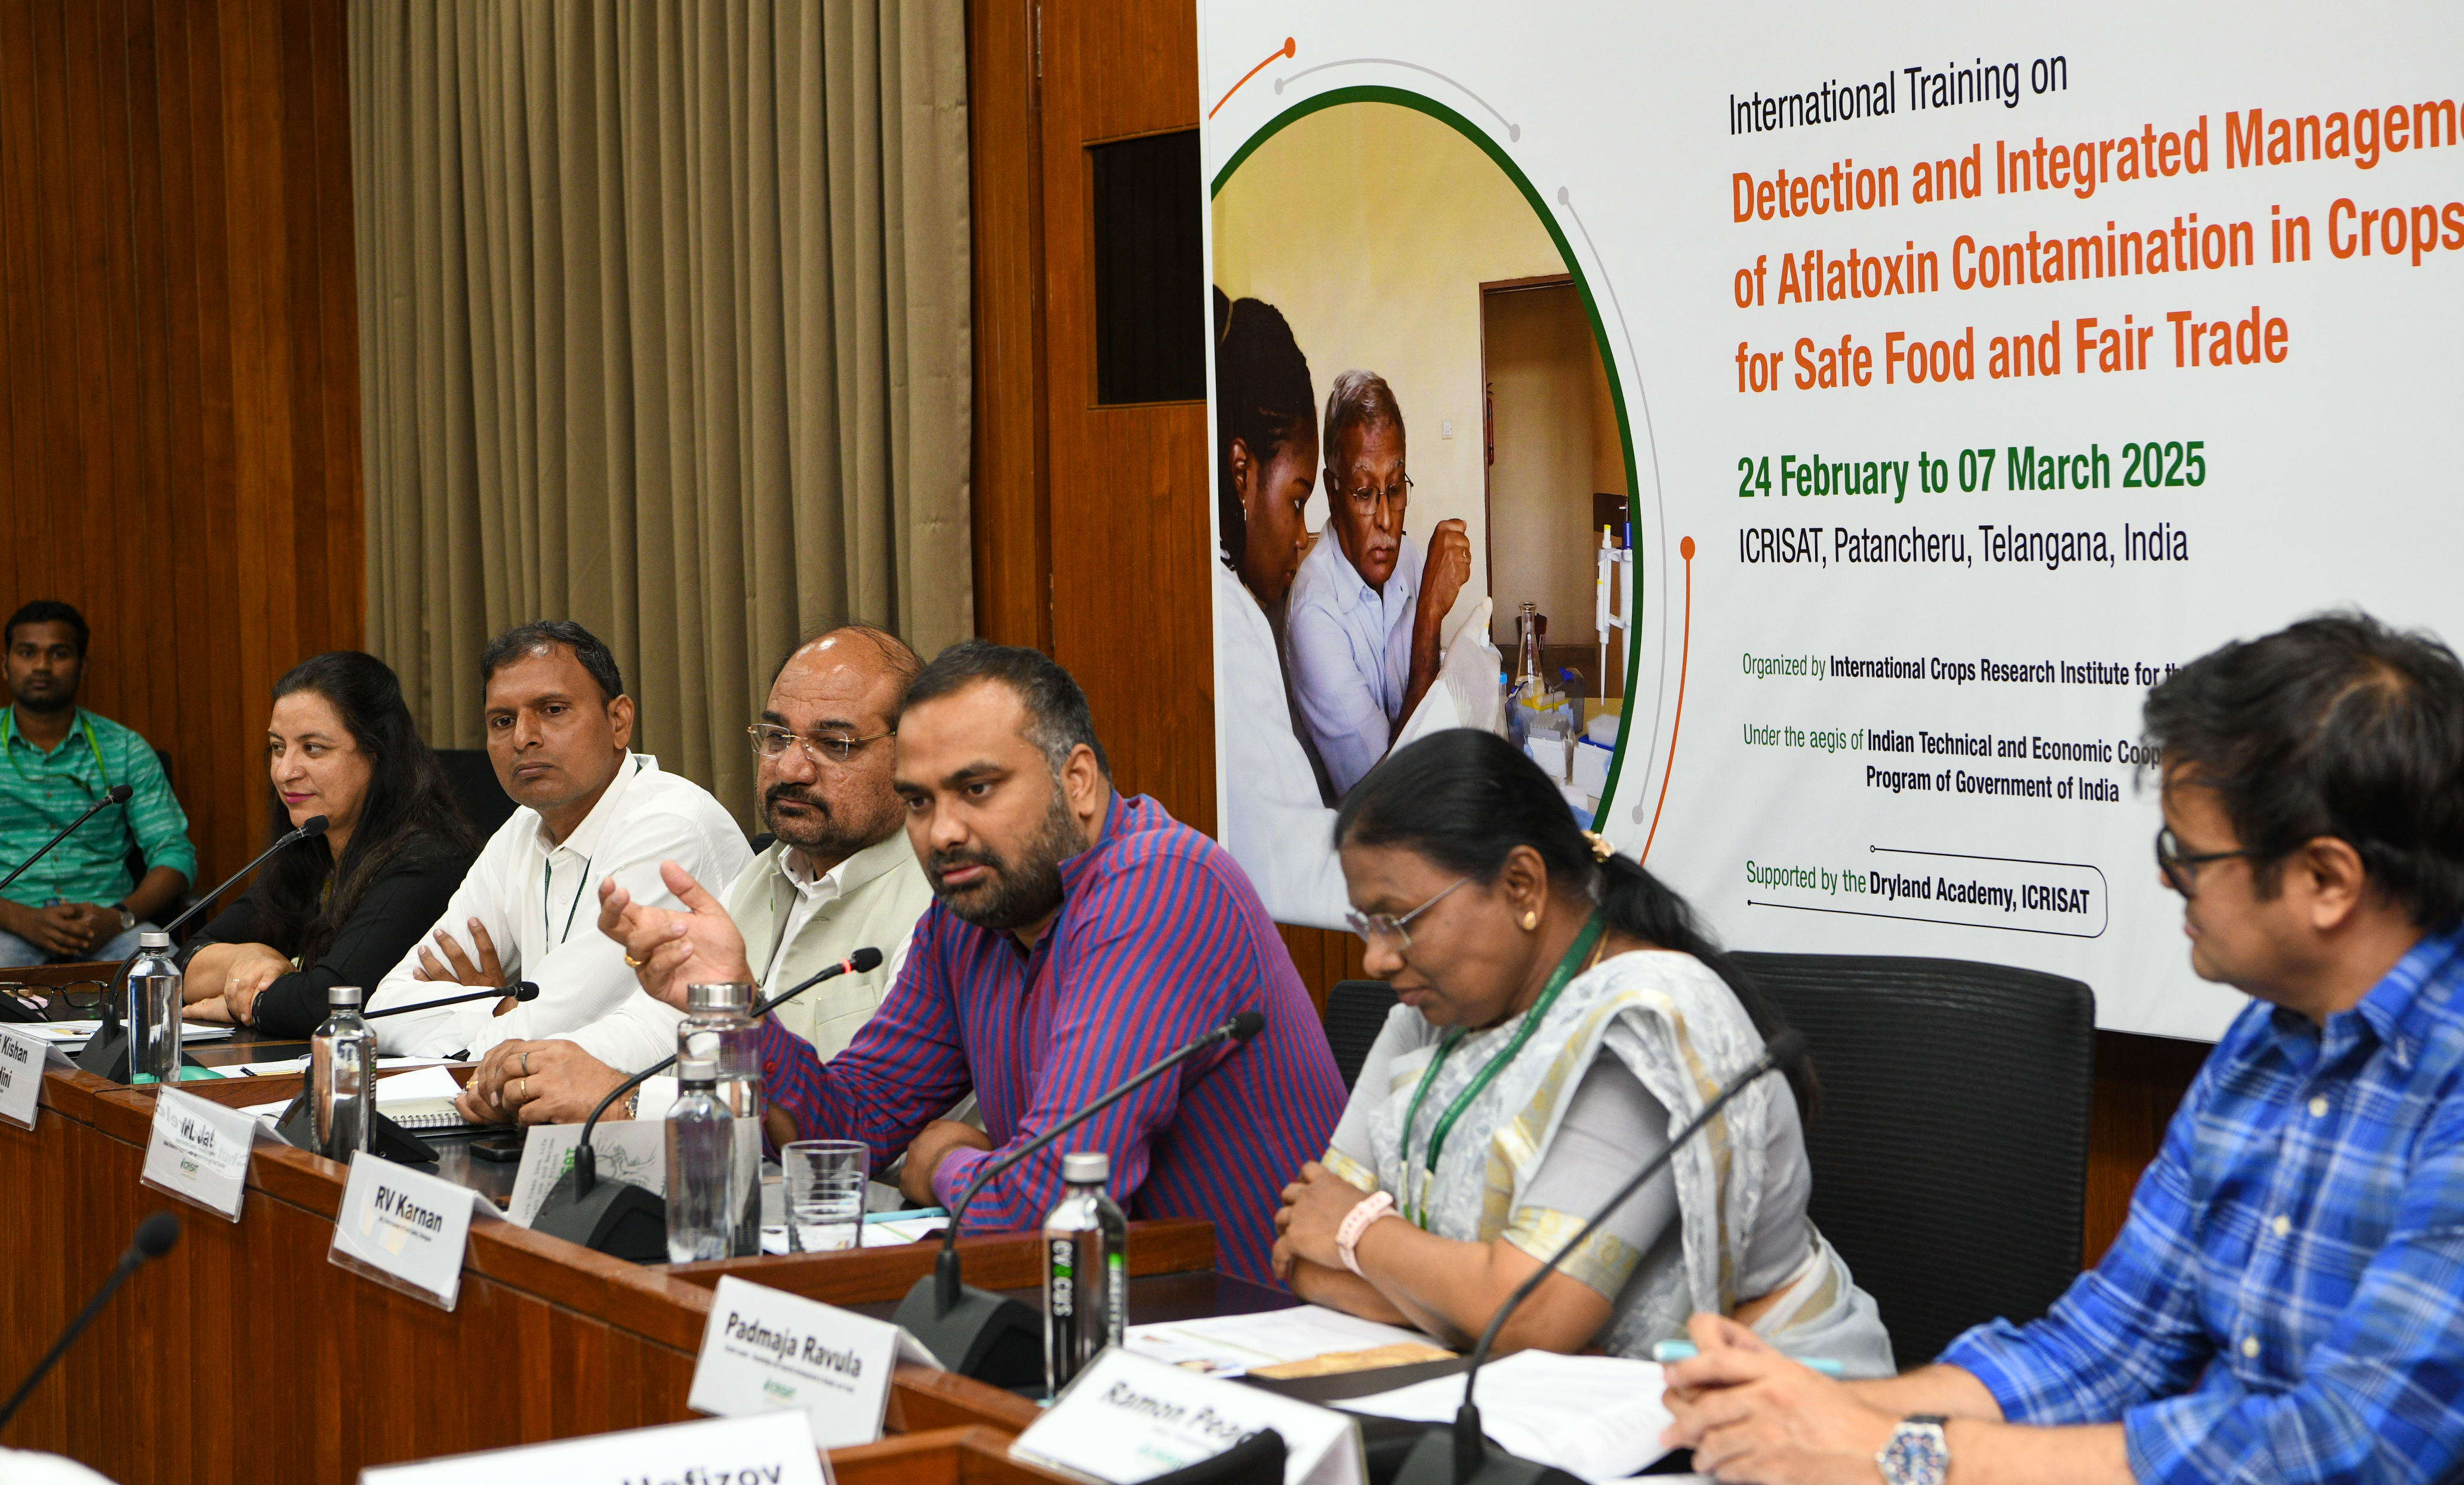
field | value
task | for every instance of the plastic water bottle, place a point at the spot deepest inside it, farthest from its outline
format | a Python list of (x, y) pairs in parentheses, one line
[(153, 989), (718, 1027), (1085, 1270), (343, 1077), (702, 1161)]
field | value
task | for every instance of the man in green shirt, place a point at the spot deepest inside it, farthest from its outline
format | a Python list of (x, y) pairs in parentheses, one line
[(56, 760)]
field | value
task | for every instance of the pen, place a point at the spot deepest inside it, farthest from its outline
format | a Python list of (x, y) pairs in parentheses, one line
[(1666, 1352)]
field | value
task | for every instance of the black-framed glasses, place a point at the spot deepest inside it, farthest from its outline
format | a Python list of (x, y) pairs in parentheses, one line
[(2181, 868), (1369, 497), (1375, 925), (56, 1002), (770, 740)]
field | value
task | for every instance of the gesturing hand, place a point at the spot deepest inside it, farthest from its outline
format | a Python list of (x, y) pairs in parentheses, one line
[(661, 944)]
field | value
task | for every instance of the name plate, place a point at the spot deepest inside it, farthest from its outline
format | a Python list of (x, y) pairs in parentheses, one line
[(764, 1349), (774, 1449), (405, 1229), (1129, 1418), (21, 1077), (198, 1153)]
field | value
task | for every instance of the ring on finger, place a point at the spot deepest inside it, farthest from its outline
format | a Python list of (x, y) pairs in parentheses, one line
[(632, 963), (518, 1090), (526, 1064)]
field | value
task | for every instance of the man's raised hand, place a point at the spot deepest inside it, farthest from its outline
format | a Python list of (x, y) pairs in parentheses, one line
[(669, 949)]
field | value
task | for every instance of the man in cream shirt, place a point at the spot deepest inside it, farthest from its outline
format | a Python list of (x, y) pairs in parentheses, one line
[(841, 877), (560, 729)]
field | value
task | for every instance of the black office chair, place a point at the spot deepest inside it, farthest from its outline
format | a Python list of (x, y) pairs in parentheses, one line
[(1355, 1012), (1950, 1151), (473, 778)]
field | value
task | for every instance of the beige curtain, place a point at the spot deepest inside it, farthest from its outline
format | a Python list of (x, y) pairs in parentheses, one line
[(664, 327)]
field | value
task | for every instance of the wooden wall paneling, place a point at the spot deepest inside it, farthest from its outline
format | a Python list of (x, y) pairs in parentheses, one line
[(178, 404), (1013, 533), (1131, 600)]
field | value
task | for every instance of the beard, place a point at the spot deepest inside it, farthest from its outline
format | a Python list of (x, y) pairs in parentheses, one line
[(825, 834), (1019, 892)]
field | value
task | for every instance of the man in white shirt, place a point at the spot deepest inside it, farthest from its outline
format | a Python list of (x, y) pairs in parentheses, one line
[(1367, 609), (559, 731), (841, 876)]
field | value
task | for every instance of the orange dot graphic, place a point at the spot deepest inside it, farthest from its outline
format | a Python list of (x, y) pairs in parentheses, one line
[(1686, 549)]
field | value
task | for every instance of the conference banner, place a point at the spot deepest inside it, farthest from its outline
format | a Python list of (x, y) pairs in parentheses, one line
[(1809, 431)]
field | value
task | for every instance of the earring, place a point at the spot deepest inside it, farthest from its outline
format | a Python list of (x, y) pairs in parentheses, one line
[(1531, 921)]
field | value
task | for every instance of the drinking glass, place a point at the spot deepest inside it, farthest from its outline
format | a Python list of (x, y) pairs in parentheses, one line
[(825, 1194)]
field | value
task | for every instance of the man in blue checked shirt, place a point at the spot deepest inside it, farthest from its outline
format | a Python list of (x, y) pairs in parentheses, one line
[(2286, 1300)]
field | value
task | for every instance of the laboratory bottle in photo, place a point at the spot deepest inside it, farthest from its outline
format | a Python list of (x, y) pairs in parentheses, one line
[(343, 1076), (1085, 1270)]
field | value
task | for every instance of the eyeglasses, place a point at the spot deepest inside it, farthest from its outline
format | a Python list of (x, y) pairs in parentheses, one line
[(1367, 497), (2181, 868), (47, 1001), (770, 741), (1372, 926)]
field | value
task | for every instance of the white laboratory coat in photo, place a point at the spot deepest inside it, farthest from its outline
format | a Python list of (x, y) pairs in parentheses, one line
[(539, 901), (1273, 822)]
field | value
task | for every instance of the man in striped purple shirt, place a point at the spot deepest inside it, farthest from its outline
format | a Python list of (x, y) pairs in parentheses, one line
[(1076, 936)]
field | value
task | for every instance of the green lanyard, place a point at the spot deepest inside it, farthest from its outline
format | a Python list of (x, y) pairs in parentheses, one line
[(1567, 969), (93, 744)]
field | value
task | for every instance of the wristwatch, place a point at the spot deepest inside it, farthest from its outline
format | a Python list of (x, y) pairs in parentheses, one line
[(127, 919), (1918, 1452), (1369, 1208)]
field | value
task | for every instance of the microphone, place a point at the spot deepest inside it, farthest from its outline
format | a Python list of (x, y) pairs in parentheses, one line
[(984, 1335), (1463, 1455), (153, 1238), (623, 1220), (524, 990), (314, 825), (107, 1052), (117, 794)]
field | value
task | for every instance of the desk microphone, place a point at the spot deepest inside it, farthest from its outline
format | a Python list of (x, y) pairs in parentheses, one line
[(523, 991), (154, 1238), (312, 825), (977, 1333), (1461, 1456), (107, 1051), (117, 794), (620, 1218)]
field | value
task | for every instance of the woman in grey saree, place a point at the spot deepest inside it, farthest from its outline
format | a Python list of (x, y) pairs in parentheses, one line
[(1560, 1015)]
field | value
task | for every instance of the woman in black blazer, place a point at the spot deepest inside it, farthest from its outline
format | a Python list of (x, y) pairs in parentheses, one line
[(346, 908)]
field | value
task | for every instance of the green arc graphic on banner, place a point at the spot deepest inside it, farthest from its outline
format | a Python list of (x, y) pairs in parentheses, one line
[(1404, 98)]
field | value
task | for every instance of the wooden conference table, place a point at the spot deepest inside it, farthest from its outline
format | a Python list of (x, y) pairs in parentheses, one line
[(246, 1355)]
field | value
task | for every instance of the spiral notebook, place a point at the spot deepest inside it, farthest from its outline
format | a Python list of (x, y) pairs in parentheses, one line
[(421, 1102)]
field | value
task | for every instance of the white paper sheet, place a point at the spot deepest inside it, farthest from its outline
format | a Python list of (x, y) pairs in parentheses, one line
[(79, 1033), (1596, 1417), (1226, 1345)]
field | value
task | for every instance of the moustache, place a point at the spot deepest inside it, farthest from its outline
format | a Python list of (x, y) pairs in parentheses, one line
[(798, 792)]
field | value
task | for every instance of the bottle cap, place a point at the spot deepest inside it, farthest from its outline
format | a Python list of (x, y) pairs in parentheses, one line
[(1086, 1167), (698, 1072), (725, 996), (342, 994), (153, 938)]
